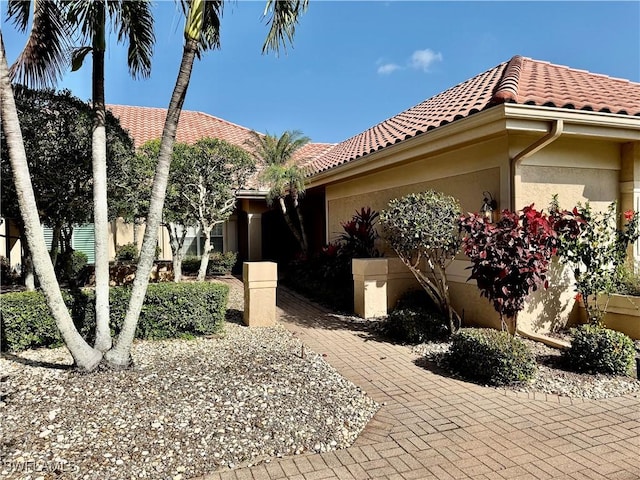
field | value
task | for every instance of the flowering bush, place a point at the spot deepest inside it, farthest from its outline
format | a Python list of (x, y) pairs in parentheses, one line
[(595, 248), (509, 259)]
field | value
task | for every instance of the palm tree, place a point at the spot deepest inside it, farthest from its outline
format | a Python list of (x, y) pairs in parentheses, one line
[(202, 32), (84, 356), (284, 178), (43, 59)]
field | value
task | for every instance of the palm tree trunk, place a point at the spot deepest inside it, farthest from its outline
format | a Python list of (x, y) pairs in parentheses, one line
[(100, 210), (290, 224), (120, 355), (84, 356), (204, 260), (55, 244)]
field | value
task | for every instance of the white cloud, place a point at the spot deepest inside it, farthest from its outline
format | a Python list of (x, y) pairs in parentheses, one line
[(423, 59), (388, 68)]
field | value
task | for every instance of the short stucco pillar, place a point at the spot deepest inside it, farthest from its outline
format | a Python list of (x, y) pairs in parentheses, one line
[(370, 286), (260, 282)]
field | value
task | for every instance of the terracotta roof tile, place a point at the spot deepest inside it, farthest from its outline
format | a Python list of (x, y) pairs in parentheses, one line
[(521, 80), (146, 123)]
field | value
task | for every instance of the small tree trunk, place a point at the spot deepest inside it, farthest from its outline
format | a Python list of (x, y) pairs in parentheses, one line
[(177, 243), (84, 356), (100, 209), (55, 244), (27, 266), (204, 260), (292, 227), (120, 355)]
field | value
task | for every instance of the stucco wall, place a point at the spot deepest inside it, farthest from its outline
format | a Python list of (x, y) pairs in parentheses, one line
[(463, 173), (576, 169)]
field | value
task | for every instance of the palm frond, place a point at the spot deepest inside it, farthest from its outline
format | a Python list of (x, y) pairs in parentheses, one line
[(209, 38), (135, 23), (282, 18), (18, 11), (47, 53)]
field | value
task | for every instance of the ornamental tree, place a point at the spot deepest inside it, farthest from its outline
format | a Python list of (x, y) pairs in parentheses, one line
[(595, 248), (422, 228), (509, 259)]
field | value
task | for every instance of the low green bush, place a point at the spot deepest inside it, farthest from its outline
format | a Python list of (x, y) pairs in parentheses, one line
[(219, 263), (491, 356), (416, 320), (170, 310), (222, 262), (600, 350), (127, 253)]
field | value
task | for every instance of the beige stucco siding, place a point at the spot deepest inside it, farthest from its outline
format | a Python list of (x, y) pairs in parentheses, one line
[(578, 170), (464, 173)]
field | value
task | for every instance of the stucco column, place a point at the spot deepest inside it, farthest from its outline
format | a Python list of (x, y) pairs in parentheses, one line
[(260, 282), (370, 287), (254, 223), (399, 281)]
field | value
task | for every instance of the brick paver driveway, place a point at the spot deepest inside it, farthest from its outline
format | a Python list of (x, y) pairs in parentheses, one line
[(432, 426)]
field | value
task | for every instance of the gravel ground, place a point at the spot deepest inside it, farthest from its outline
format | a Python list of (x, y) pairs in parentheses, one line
[(188, 407), (552, 378)]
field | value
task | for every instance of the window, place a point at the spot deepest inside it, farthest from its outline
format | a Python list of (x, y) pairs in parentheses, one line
[(217, 238)]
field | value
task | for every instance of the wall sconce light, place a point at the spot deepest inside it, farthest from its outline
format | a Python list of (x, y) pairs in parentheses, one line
[(489, 205)]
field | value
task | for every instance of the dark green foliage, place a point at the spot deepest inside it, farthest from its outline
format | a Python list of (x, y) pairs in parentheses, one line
[(7, 275), (326, 277), (71, 267), (127, 253), (600, 350), (27, 322), (219, 263), (222, 263), (415, 320), (170, 310), (491, 357)]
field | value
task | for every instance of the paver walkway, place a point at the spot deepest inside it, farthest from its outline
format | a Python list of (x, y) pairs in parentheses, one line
[(434, 427)]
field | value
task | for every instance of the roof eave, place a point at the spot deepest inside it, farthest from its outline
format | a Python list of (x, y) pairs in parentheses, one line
[(489, 123)]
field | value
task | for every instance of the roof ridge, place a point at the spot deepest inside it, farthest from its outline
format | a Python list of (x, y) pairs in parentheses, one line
[(225, 121), (507, 88)]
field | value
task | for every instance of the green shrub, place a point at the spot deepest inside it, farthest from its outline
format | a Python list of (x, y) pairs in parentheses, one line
[(127, 253), (170, 310), (222, 262), (600, 350), (27, 322), (491, 356), (7, 274), (190, 264), (416, 320)]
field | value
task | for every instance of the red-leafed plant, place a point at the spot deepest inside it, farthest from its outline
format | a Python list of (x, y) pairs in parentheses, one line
[(509, 259)]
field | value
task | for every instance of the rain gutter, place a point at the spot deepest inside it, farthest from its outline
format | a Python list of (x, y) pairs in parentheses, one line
[(556, 130)]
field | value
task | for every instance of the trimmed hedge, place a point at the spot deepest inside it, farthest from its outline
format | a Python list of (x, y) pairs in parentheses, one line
[(600, 350), (170, 310), (491, 356), (219, 263)]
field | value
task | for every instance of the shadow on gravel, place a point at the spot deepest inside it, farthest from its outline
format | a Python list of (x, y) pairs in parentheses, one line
[(36, 363)]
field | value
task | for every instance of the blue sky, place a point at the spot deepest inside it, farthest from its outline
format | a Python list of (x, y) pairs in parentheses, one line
[(354, 64)]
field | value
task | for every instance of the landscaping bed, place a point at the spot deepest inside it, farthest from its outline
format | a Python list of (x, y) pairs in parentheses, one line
[(553, 377), (188, 407)]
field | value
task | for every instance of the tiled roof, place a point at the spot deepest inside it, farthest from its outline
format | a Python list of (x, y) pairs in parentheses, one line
[(520, 80), (146, 123)]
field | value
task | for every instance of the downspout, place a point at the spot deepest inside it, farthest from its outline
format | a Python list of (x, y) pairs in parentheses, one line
[(557, 129)]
